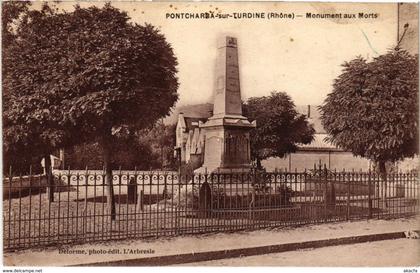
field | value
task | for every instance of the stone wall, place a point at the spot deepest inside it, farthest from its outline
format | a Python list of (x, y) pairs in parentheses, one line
[(333, 160), (306, 160)]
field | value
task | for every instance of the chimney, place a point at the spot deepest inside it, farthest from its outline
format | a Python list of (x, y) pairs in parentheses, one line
[(181, 120), (309, 111)]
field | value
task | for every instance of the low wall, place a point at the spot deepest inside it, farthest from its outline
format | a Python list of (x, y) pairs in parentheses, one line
[(23, 185)]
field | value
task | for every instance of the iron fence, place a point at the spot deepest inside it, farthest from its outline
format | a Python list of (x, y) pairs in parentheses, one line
[(152, 204)]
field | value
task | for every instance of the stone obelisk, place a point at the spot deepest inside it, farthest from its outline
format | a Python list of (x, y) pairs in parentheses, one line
[(227, 147)]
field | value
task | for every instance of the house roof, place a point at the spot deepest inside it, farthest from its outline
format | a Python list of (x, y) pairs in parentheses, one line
[(192, 122), (197, 111), (319, 143)]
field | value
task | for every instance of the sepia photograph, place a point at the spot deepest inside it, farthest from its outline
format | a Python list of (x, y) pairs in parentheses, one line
[(210, 134)]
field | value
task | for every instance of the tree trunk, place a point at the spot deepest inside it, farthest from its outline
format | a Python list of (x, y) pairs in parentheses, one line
[(382, 173), (259, 166), (62, 155), (50, 179), (107, 150), (161, 157)]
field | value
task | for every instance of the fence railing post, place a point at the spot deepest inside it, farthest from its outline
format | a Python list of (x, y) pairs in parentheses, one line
[(369, 196), (50, 184), (348, 200), (251, 195), (140, 200), (321, 173), (9, 211), (176, 221)]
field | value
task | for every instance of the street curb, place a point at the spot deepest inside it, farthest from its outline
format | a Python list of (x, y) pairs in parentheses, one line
[(241, 252)]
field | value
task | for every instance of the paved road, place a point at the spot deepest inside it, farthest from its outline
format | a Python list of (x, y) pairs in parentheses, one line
[(400, 252)]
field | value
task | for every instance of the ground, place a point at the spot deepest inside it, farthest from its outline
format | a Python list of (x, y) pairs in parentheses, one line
[(399, 252), (222, 241)]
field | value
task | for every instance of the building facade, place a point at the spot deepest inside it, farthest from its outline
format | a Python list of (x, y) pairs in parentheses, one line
[(190, 138)]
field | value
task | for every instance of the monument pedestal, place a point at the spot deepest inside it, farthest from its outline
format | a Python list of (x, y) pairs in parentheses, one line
[(227, 147)]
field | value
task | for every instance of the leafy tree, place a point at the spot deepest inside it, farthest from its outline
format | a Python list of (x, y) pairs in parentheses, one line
[(279, 126), (161, 139), (373, 108), (11, 11), (88, 75), (25, 139), (131, 154), (145, 149)]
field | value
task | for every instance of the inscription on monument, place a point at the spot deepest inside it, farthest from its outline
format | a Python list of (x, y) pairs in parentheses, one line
[(220, 85), (213, 150), (236, 149), (227, 85)]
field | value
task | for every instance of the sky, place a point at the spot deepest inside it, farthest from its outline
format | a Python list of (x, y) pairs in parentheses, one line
[(299, 56)]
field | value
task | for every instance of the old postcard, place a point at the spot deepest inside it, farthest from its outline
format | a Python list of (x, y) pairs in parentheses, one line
[(210, 134)]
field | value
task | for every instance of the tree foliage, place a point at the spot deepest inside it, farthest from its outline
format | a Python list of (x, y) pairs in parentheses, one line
[(280, 128), (129, 154), (11, 11), (90, 70), (373, 108), (86, 73), (146, 149), (161, 140)]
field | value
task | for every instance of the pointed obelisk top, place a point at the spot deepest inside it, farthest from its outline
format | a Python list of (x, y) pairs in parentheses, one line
[(227, 41), (227, 93)]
